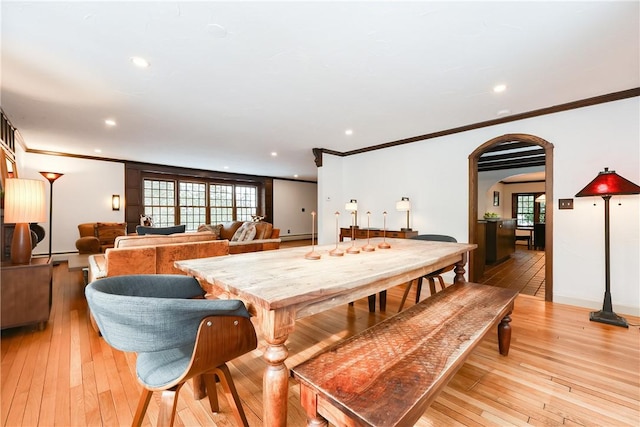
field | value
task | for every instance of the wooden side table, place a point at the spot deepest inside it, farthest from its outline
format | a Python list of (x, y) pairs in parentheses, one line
[(361, 233), (26, 293)]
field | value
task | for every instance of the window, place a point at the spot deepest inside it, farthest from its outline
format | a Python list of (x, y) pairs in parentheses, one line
[(196, 201), (160, 201), (221, 203), (193, 204), (526, 210)]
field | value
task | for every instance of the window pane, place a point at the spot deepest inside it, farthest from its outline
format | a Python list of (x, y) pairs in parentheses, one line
[(246, 202), (159, 202), (525, 209), (192, 204), (221, 200)]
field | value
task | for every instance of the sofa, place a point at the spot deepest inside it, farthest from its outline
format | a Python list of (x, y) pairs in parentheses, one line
[(96, 237), (156, 253), (153, 254), (266, 237)]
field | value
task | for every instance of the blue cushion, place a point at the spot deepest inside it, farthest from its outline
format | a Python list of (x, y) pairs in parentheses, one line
[(141, 230)]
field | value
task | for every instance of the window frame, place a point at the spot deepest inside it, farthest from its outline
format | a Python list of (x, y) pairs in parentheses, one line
[(539, 208)]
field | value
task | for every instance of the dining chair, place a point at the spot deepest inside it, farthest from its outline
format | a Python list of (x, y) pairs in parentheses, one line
[(177, 335), (433, 276)]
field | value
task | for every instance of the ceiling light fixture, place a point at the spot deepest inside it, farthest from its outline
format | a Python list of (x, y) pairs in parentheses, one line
[(140, 62), (348, 132), (499, 88), (274, 154), (97, 150), (110, 122), (503, 112)]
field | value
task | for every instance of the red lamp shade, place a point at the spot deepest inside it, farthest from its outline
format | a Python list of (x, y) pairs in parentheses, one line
[(609, 183)]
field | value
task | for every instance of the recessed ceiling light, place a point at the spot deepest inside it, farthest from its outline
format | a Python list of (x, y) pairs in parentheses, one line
[(295, 176), (110, 122), (503, 112), (225, 167), (348, 132), (274, 154), (140, 62), (499, 88), (97, 150)]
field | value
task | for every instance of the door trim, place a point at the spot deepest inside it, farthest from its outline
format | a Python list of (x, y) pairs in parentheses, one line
[(548, 188)]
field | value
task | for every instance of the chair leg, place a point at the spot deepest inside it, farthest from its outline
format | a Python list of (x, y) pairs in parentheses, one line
[(232, 394), (168, 404), (418, 290), (442, 285), (212, 392), (432, 286), (143, 403)]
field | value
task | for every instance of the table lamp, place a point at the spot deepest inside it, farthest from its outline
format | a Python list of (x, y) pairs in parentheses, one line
[(404, 205), (606, 184), (24, 203)]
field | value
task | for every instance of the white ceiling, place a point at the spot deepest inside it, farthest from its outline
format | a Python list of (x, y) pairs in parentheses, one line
[(231, 82)]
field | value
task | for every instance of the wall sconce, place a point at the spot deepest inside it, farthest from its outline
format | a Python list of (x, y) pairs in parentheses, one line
[(404, 205), (115, 202), (24, 203), (353, 207)]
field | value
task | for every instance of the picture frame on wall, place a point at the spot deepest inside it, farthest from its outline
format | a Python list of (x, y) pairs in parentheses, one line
[(496, 198)]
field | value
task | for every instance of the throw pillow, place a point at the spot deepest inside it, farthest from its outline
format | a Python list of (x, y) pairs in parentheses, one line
[(246, 232), (215, 229), (106, 232), (141, 230)]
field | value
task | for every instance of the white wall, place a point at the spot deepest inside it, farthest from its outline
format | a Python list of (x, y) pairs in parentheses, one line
[(434, 174), (290, 198), (82, 194)]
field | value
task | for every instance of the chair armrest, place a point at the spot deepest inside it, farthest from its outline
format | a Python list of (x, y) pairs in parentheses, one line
[(97, 267), (88, 245)]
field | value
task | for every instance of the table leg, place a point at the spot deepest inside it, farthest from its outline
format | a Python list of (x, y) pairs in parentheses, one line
[(275, 384), (504, 335), (459, 270)]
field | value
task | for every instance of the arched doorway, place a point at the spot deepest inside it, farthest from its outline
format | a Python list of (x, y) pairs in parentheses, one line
[(473, 199)]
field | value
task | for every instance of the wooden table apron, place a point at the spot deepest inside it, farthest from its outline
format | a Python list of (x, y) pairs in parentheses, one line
[(282, 286)]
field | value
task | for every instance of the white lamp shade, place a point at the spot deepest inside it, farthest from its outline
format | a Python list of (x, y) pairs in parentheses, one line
[(403, 205), (351, 206), (24, 201)]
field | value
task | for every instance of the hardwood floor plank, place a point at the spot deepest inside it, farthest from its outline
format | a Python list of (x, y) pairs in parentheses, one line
[(562, 369)]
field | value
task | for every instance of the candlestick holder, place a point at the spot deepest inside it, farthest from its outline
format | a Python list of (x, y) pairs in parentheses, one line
[(368, 247), (352, 249), (313, 254), (384, 244), (337, 251)]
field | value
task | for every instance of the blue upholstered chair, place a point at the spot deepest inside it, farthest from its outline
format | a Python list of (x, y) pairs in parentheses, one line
[(177, 335), (431, 277)]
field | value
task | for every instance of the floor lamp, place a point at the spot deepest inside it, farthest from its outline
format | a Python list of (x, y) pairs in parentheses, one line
[(51, 177), (606, 184)]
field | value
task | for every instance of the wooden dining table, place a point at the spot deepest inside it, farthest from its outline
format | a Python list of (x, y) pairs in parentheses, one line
[(283, 285)]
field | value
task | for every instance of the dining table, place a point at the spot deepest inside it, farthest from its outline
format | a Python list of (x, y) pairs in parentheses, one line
[(284, 285)]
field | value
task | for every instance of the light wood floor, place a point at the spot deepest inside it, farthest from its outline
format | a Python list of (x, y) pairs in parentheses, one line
[(561, 370)]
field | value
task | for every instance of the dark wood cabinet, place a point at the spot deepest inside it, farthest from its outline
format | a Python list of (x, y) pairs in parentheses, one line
[(361, 233), (539, 236), (500, 240), (26, 293)]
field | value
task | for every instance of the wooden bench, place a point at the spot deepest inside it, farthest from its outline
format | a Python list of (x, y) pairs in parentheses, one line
[(389, 374)]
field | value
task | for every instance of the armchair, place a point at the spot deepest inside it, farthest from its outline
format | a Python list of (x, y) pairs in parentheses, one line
[(96, 237), (176, 333)]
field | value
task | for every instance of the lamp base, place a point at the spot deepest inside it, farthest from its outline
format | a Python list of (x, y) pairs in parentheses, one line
[(405, 229), (608, 317)]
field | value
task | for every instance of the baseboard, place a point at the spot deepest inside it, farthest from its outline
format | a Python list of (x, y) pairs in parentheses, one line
[(597, 305), (290, 237)]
